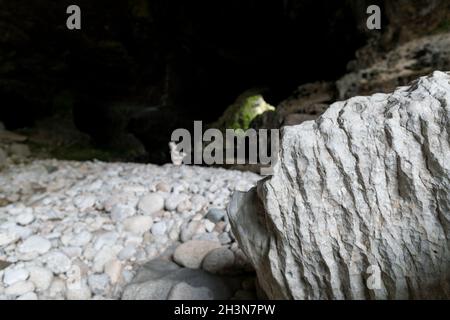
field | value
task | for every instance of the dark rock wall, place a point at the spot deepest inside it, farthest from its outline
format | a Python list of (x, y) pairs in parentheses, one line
[(189, 59)]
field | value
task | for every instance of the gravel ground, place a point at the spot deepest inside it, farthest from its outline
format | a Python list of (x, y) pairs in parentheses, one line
[(81, 230)]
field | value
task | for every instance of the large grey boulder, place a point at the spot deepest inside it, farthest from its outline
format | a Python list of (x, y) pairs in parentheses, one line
[(358, 206)]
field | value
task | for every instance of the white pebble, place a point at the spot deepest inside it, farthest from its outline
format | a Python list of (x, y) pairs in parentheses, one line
[(12, 276), (25, 218), (19, 288), (41, 277), (138, 225), (28, 296), (151, 203), (58, 262), (159, 228), (35, 244)]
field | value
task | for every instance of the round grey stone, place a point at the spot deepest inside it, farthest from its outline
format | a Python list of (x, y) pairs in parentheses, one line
[(191, 254), (218, 261), (183, 291), (215, 215)]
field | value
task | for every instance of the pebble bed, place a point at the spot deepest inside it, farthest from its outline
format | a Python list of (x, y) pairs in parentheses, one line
[(81, 230)]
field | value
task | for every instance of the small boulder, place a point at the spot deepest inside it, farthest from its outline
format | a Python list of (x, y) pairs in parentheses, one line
[(191, 254)]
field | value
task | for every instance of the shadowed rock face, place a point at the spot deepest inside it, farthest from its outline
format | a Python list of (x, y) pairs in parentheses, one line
[(362, 191)]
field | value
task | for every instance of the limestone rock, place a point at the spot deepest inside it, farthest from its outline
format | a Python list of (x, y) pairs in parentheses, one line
[(359, 203)]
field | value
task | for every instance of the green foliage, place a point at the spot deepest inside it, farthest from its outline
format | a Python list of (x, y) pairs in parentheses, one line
[(240, 114)]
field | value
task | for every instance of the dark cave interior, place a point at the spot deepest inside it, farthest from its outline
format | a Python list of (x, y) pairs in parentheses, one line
[(188, 60)]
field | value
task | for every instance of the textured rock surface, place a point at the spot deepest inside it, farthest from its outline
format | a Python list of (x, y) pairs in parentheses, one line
[(365, 188)]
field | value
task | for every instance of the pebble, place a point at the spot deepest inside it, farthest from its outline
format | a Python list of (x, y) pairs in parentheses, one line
[(224, 238), (28, 296), (218, 261), (209, 226), (215, 215), (159, 228), (127, 252), (41, 278), (7, 237), (35, 244), (78, 291), (190, 254), (113, 269), (84, 202), (188, 232), (206, 236), (183, 206), (57, 262), (171, 203), (12, 276), (25, 218), (151, 203), (120, 212), (81, 239), (138, 225), (19, 288), (57, 288), (98, 283), (105, 239), (162, 186), (183, 291), (220, 226), (105, 255)]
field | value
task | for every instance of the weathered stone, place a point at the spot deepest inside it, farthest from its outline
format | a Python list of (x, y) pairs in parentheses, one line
[(190, 254), (359, 203)]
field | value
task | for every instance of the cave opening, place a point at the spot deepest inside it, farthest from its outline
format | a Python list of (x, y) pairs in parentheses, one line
[(147, 67)]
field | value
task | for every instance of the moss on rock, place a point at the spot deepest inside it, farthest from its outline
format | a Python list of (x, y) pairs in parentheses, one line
[(241, 113)]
